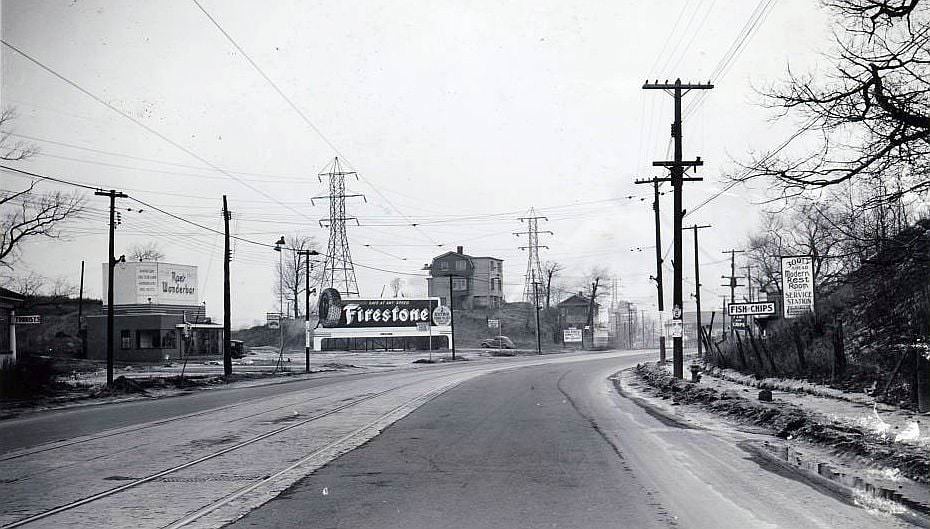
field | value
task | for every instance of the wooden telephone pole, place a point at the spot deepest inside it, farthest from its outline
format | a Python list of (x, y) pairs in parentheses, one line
[(676, 168), (658, 277), (111, 263), (227, 328), (697, 290)]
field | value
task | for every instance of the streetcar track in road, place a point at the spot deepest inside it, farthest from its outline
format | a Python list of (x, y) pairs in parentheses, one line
[(247, 442), (56, 445), (255, 439), (208, 509)]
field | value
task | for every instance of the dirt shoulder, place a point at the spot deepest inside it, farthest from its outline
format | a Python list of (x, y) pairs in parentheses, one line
[(789, 421)]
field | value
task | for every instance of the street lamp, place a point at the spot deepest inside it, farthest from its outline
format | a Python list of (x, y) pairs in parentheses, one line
[(308, 266)]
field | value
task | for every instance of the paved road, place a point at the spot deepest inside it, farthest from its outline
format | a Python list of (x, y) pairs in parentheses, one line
[(552, 446)]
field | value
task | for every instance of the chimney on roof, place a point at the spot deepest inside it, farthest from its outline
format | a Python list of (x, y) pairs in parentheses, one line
[(581, 293), (459, 250)]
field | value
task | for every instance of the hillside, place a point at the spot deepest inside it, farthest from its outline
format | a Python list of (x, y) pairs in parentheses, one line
[(57, 334)]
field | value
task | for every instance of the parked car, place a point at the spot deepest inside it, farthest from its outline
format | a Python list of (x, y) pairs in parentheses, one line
[(499, 342)]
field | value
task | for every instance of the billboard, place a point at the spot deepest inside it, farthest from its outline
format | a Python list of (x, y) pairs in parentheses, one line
[(340, 313), (156, 283), (380, 318), (797, 276)]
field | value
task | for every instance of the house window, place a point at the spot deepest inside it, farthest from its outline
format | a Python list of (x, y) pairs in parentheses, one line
[(460, 266), (444, 266), (459, 283), (125, 339), (148, 339)]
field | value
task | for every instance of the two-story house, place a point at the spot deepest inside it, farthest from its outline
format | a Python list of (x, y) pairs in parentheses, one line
[(473, 281)]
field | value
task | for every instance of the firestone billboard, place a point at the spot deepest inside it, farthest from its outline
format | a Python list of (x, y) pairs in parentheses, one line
[(337, 313)]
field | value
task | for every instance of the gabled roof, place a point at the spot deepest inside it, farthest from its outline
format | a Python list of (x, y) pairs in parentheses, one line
[(576, 299), (452, 253)]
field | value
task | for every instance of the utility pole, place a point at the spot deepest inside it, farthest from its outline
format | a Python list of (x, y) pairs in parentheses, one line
[(452, 316), (749, 281), (536, 310), (677, 171), (227, 328), (733, 281), (308, 267), (697, 290), (80, 321), (658, 277), (111, 263)]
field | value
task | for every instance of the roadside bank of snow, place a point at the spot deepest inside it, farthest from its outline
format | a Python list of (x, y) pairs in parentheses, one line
[(801, 438)]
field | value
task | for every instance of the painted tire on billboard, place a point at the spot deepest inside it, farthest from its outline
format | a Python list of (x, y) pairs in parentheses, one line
[(330, 307)]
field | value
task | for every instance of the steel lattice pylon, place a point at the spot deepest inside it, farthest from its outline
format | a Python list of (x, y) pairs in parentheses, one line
[(533, 266), (338, 270)]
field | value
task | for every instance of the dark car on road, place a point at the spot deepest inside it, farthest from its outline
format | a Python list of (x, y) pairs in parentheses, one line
[(498, 342)]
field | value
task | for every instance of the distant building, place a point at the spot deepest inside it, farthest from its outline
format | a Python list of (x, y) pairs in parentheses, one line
[(475, 281), (158, 315), (573, 311)]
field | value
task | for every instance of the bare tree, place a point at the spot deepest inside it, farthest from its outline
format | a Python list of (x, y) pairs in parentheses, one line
[(30, 284), (551, 271), (595, 285), (870, 116), (809, 229), (291, 274), (397, 284), (149, 251), (62, 288), (27, 215), (10, 149)]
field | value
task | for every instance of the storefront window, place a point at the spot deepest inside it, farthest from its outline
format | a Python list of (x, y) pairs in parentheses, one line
[(169, 339), (148, 339), (125, 339)]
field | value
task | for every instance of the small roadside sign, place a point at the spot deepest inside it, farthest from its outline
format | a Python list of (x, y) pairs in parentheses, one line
[(494, 324), (676, 328), (442, 315), (33, 319), (571, 335), (273, 320), (758, 308)]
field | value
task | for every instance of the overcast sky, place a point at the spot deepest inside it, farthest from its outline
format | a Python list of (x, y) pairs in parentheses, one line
[(445, 109)]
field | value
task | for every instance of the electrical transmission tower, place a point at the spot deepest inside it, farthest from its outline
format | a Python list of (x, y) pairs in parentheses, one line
[(338, 270), (533, 267)]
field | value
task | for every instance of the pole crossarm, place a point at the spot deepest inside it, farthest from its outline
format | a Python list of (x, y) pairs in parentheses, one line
[(677, 84), (684, 163)]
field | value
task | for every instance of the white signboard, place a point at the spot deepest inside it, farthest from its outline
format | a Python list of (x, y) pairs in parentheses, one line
[(494, 324), (273, 320), (762, 308), (675, 328), (29, 320), (571, 335), (797, 275), (442, 315), (154, 283)]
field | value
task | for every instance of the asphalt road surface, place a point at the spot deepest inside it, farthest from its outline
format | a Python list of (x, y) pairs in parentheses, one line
[(519, 442), (552, 446)]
